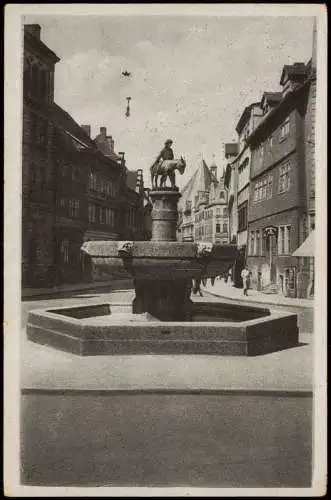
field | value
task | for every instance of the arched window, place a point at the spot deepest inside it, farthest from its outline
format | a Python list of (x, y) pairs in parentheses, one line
[(27, 79), (35, 79), (42, 76)]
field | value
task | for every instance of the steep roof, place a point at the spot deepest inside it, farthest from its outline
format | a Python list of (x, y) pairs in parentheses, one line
[(131, 179), (245, 117), (271, 97), (293, 70), (62, 118), (282, 104), (32, 37), (201, 180)]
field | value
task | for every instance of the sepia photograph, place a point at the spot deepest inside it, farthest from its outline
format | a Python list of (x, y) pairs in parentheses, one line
[(165, 250)]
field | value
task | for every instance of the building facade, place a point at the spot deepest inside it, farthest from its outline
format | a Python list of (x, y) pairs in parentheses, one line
[(203, 207), (74, 188), (278, 206), (237, 177), (38, 160), (231, 186)]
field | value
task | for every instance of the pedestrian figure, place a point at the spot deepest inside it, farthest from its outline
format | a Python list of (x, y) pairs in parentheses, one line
[(196, 287), (245, 274)]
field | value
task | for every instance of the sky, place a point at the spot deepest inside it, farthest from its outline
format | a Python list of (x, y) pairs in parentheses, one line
[(191, 77)]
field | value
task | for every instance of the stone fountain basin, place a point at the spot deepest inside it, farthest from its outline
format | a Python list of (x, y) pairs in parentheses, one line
[(219, 329), (161, 260)]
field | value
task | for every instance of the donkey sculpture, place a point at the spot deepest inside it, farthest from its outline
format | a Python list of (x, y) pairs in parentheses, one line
[(165, 169)]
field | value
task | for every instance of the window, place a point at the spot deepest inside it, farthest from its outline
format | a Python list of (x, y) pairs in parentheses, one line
[(91, 212), (93, 182), (218, 228), (43, 83), (284, 240), (311, 219), (34, 79), (42, 131), (33, 174), (132, 216), (225, 212), (73, 206), (101, 215), (252, 243), (242, 217), (258, 248), (27, 79), (261, 154), (110, 216), (64, 250), (225, 228), (256, 243), (263, 189), (76, 205), (221, 194), (269, 187), (284, 178), (285, 129)]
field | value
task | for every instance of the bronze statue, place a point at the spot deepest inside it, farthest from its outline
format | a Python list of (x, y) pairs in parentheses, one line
[(165, 166)]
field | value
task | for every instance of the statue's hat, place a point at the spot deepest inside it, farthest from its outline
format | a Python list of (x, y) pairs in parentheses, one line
[(168, 141)]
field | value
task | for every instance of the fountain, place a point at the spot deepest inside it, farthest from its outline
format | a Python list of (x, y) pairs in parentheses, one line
[(162, 317)]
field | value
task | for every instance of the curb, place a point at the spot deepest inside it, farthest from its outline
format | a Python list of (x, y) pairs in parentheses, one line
[(159, 391), (257, 301), (58, 292)]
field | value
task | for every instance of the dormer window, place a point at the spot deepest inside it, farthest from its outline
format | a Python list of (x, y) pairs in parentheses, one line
[(285, 129)]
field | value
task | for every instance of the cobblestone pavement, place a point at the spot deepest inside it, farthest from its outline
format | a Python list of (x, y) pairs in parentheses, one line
[(166, 441)]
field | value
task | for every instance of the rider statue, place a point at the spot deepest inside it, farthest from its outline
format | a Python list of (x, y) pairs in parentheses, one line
[(165, 166), (166, 153)]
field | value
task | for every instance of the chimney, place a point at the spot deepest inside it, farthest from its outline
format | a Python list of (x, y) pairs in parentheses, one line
[(33, 29), (103, 132), (110, 142), (87, 129)]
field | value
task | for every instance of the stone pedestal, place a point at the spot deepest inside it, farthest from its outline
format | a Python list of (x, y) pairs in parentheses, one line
[(164, 214), (167, 300)]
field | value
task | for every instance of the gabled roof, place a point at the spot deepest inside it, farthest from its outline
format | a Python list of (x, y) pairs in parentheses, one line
[(281, 105), (271, 97), (245, 117), (39, 46), (62, 118), (201, 180)]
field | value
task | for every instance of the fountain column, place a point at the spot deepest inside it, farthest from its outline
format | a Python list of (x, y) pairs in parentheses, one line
[(167, 299), (164, 214)]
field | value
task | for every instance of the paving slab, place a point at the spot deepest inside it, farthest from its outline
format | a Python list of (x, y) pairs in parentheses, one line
[(46, 368)]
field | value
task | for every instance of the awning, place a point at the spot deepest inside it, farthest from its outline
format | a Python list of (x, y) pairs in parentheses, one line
[(307, 249)]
